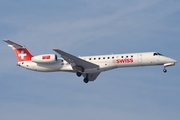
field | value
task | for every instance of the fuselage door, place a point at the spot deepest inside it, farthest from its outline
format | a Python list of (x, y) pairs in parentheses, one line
[(139, 58)]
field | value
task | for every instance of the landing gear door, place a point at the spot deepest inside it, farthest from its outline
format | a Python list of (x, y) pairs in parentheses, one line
[(139, 58)]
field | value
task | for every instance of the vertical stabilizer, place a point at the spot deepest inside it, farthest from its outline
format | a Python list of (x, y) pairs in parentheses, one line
[(21, 53)]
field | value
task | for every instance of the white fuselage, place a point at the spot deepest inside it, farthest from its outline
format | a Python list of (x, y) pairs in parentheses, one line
[(105, 62), (87, 66)]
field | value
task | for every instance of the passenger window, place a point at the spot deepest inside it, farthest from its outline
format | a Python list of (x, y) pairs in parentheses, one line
[(99, 58), (121, 56), (89, 58), (131, 55), (112, 57), (103, 57), (126, 56), (94, 58), (108, 57)]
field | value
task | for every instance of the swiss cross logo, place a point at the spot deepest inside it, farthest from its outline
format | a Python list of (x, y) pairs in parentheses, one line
[(22, 54)]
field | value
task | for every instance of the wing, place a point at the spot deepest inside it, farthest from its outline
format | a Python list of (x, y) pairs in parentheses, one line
[(77, 64), (93, 76)]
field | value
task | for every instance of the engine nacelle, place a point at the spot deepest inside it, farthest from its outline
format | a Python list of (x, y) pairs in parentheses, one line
[(46, 58)]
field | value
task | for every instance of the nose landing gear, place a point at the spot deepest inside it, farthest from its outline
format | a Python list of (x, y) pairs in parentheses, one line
[(164, 70), (167, 65)]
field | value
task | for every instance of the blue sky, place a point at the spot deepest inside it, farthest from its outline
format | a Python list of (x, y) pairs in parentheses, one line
[(93, 27)]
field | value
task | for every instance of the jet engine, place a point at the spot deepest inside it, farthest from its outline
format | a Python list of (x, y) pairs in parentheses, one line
[(46, 58)]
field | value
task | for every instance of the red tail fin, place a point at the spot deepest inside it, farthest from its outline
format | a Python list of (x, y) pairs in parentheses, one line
[(21, 53)]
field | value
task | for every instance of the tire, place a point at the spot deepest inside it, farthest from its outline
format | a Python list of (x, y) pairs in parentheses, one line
[(86, 80), (79, 74), (164, 70)]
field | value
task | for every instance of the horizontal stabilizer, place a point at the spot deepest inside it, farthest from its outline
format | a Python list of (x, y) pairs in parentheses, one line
[(13, 45)]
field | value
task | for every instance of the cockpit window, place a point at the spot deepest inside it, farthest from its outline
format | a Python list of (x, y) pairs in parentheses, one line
[(160, 54), (155, 54)]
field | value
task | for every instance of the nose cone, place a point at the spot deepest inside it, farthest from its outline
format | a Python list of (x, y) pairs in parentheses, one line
[(175, 61), (172, 60)]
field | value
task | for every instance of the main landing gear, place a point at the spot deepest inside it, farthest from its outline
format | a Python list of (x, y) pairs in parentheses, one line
[(79, 74), (86, 80)]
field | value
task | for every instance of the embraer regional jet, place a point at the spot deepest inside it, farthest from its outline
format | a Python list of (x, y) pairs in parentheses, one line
[(88, 66)]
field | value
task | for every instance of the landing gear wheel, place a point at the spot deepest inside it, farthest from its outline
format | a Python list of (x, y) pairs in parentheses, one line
[(86, 80), (164, 70), (79, 74)]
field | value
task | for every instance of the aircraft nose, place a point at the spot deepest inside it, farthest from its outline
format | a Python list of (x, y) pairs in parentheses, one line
[(175, 61), (170, 60)]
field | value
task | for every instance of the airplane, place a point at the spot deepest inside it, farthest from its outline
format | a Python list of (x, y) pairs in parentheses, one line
[(87, 66)]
